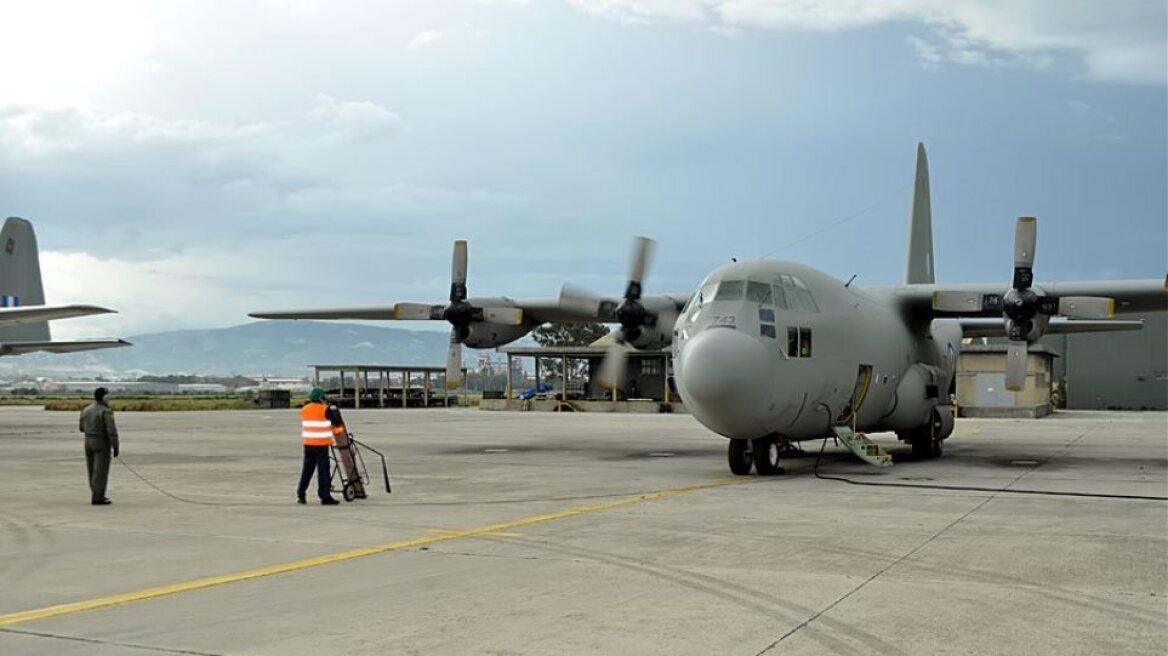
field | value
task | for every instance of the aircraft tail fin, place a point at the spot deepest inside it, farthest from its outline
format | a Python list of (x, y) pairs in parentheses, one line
[(20, 280), (920, 230)]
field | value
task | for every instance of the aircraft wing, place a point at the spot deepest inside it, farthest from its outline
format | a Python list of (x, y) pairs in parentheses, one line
[(24, 314), (994, 327), (534, 310), (1131, 296), (71, 346), (373, 313)]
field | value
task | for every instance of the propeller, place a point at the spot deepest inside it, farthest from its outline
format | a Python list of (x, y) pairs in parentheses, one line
[(629, 313), (1025, 311), (459, 313)]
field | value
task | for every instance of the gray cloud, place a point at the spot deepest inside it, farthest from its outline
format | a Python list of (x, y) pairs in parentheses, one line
[(1120, 41)]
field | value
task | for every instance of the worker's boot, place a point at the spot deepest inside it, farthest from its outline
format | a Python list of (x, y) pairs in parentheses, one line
[(329, 501)]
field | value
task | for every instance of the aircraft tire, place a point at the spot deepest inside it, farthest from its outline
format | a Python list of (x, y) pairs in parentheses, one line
[(741, 457), (924, 446), (766, 457)]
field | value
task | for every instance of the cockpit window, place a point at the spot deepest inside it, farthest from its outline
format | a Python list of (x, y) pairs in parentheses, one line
[(780, 298), (800, 300), (758, 292), (730, 290), (706, 294)]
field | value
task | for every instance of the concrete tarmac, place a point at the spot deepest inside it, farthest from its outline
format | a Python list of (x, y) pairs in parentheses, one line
[(513, 533)]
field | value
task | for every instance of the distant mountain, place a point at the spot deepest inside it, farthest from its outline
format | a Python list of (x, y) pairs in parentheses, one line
[(277, 348)]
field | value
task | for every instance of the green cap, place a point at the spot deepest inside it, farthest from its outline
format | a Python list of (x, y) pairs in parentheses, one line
[(315, 394)]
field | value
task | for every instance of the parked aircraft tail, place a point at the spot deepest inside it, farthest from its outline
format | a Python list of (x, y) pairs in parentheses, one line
[(20, 280), (920, 230), (24, 317)]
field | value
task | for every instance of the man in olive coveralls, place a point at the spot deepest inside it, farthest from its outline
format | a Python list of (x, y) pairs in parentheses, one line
[(101, 438)]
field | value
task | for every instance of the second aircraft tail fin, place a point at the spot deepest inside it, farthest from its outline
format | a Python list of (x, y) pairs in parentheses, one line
[(20, 279)]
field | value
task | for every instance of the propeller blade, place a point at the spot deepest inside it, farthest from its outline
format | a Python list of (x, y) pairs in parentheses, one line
[(1086, 307), (1025, 239), (613, 367), (958, 302), (1016, 355), (503, 315), (417, 312), (458, 272), (578, 299), (454, 363), (642, 249)]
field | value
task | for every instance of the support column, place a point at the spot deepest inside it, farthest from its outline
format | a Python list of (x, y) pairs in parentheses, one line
[(665, 375), (406, 389), (564, 360), (510, 385), (341, 374), (357, 389), (426, 389), (537, 374), (381, 388)]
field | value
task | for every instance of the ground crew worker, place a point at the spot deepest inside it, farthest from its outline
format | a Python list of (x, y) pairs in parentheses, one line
[(316, 432), (101, 438)]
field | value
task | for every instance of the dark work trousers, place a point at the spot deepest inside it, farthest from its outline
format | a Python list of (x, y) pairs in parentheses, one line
[(97, 463), (315, 457)]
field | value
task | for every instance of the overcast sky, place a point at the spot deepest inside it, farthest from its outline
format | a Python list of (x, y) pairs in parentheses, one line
[(188, 162)]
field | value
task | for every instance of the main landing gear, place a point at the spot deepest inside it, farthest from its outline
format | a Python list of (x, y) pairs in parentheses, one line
[(761, 454)]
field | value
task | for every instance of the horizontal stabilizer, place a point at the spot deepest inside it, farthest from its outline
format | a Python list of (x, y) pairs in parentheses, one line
[(978, 327), (71, 346), (30, 313), (382, 313)]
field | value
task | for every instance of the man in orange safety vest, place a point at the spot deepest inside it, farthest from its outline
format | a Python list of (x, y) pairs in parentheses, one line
[(317, 431)]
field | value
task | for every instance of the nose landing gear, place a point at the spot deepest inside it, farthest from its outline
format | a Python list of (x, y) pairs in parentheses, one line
[(761, 454), (741, 457)]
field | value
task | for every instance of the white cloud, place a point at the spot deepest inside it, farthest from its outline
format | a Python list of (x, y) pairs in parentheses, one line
[(356, 121), (164, 292), (642, 11), (39, 129), (1123, 42), (423, 39), (55, 51)]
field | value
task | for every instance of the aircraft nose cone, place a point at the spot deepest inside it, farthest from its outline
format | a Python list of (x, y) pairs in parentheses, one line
[(724, 370)]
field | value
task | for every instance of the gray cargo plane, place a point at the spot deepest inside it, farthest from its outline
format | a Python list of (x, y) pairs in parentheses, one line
[(767, 352), (24, 317)]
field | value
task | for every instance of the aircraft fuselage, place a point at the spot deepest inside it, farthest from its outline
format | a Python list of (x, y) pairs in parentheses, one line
[(773, 348)]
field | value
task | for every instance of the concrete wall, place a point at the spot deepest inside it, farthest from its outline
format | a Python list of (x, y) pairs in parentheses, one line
[(981, 386)]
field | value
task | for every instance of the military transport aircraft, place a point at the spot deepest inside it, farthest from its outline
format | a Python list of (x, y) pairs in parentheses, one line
[(768, 351), (24, 317)]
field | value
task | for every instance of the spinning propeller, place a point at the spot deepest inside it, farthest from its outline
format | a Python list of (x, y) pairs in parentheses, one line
[(629, 313), (1025, 311), (459, 313)]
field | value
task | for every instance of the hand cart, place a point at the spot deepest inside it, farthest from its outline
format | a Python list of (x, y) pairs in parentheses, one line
[(355, 476)]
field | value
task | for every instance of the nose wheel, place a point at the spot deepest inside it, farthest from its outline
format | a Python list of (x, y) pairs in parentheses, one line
[(741, 457), (766, 456), (762, 455)]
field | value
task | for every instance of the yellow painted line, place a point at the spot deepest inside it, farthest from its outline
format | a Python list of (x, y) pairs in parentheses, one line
[(457, 534), (361, 552)]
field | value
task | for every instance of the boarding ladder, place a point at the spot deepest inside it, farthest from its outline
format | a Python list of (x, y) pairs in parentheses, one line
[(864, 448), (845, 425)]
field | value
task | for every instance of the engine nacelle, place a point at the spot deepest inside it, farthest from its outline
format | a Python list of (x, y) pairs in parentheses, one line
[(484, 334), (659, 335)]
